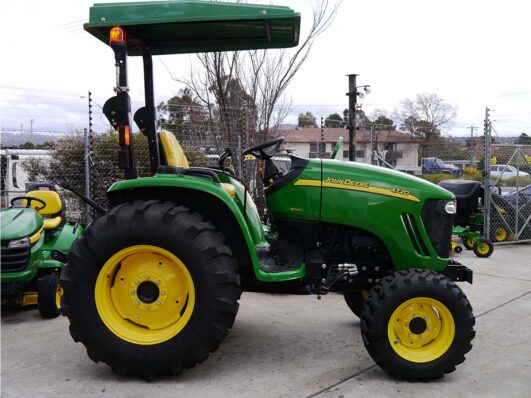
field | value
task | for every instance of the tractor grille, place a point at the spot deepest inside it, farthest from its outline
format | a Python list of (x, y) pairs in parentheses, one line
[(414, 235), (9, 289), (14, 259), (438, 225)]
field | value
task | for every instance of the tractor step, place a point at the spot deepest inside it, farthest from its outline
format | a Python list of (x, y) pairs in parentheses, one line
[(280, 256)]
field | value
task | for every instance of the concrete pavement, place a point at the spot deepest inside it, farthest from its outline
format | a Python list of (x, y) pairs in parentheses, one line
[(294, 346)]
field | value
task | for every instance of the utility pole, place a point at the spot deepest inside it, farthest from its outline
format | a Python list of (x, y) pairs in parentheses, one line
[(472, 146), (352, 95), (352, 99), (31, 126)]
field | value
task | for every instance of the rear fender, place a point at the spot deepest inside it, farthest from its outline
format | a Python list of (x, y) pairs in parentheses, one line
[(206, 198)]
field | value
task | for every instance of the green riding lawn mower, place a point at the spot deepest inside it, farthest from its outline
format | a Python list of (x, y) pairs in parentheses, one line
[(153, 285), (469, 217), (35, 242)]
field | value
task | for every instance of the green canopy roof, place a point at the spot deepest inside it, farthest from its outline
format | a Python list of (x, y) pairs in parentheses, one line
[(190, 26)]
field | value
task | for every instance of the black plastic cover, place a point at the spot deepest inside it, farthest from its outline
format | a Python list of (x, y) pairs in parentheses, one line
[(438, 227)]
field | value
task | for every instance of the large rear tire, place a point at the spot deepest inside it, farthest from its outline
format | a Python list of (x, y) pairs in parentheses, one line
[(150, 289), (417, 325)]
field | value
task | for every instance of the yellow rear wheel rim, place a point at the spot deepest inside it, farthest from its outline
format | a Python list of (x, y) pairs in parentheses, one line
[(501, 234), (145, 294), (421, 329), (58, 295)]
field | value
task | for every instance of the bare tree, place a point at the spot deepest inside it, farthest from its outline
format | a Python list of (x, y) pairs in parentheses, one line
[(255, 80), (425, 115)]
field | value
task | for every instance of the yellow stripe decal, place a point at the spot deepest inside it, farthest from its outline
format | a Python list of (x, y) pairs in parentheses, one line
[(34, 238), (361, 187)]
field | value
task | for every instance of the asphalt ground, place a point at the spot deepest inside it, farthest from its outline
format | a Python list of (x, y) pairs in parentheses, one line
[(293, 346)]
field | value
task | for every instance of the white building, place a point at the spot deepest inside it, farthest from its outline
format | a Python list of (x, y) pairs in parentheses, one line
[(398, 149)]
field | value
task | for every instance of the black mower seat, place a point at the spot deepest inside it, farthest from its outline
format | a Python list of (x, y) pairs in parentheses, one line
[(462, 189), (467, 194)]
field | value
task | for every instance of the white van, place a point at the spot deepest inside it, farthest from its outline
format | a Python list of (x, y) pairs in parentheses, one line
[(13, 176)]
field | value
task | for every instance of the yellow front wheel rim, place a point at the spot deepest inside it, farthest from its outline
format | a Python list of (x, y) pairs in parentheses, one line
[(145, 294), (483, 248), (58, 295), (421, 329)]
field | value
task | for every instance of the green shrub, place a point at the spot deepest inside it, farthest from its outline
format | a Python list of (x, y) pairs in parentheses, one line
[(437, 178), (514, 181), (67, 166), (472, 175)]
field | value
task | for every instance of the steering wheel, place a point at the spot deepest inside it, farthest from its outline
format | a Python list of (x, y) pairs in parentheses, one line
[(265, 150), (337, 147), (29, 199), (226, 153)]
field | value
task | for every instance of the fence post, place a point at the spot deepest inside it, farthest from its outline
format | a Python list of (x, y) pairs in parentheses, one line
[(488, 183), (86, 153), (239, 156), (322, 144), (374, 145)]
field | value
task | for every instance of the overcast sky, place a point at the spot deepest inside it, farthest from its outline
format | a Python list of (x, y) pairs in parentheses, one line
[(472, 53)]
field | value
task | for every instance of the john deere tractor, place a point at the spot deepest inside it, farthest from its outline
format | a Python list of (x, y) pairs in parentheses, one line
[(153, 286)]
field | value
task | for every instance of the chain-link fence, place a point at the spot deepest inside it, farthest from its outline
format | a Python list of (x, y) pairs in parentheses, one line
[(434, 158), (87, 162), (509, 213)]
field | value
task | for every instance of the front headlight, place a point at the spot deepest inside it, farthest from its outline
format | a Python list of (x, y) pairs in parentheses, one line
[(450, 207), (19, 243)]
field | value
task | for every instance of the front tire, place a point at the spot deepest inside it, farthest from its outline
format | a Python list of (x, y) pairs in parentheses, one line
[(483, 248), (49, 296), (468, 243), (417, 325), (150, 289), (355, 300)]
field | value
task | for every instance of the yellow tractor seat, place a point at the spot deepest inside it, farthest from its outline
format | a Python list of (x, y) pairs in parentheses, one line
[(172, 150), (51, 213), (175, 157), (229, 188)]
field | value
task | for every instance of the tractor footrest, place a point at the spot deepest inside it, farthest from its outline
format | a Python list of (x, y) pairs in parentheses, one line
[(281, 256), (273, 268), (458, 272)]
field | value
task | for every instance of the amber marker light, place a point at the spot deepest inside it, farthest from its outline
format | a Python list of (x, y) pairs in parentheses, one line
[(126, 135), (117, 35)]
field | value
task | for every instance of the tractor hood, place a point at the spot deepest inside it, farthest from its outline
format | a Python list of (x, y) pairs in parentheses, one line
[(380, 181), (18, 223)]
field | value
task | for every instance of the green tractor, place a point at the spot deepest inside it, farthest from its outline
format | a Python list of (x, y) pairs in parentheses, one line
[(153, 286), (35, 242)]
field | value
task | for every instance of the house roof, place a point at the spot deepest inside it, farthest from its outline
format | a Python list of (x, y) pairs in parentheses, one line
[(309, 134)]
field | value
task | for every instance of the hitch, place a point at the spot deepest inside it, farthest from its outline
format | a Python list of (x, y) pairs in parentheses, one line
[(458, 272)]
